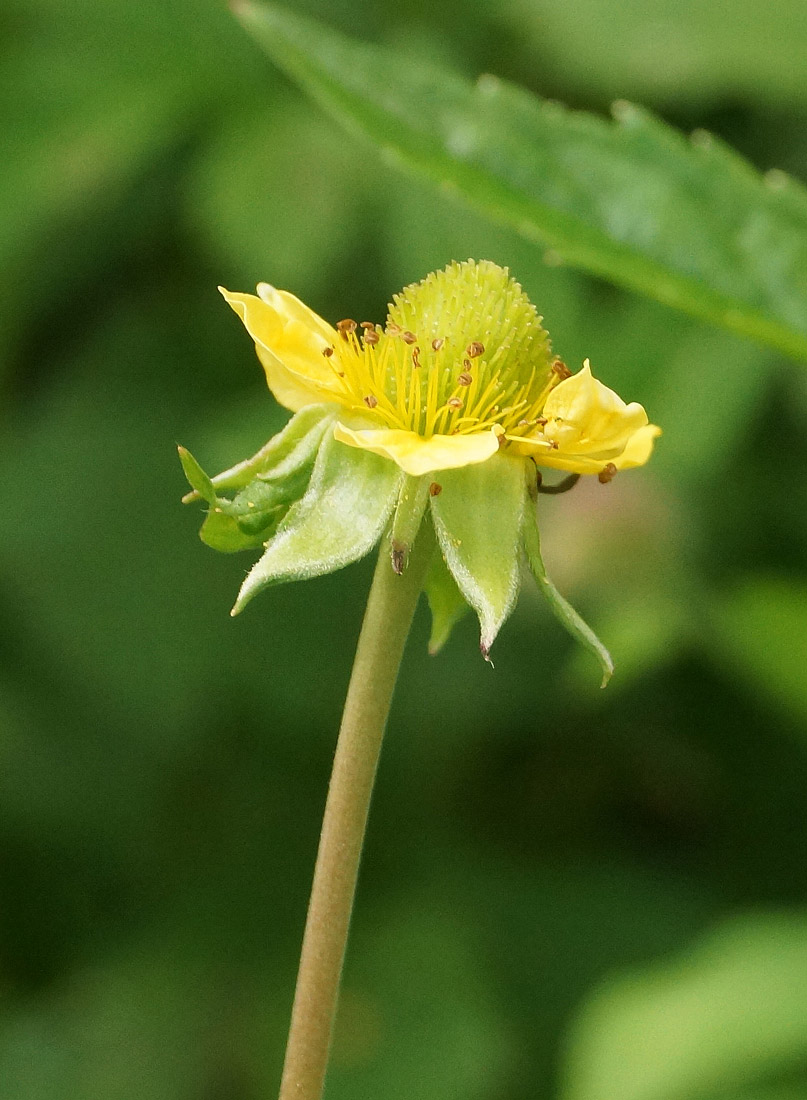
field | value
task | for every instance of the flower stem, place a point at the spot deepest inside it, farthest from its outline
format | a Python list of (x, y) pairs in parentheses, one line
[(390, 609)]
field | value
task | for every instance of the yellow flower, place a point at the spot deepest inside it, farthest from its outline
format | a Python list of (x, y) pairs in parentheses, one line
[(462, 369), (589, 428)]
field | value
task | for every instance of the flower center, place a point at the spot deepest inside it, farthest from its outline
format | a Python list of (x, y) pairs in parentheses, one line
[(462, 351)]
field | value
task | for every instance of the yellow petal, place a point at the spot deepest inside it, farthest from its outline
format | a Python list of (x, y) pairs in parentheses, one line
[(638, 448), (584, 416), (286, 305), (289, 339), (589, 426), (416, 455)]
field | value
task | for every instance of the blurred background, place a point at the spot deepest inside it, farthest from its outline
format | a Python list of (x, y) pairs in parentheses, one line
[(566, 892)]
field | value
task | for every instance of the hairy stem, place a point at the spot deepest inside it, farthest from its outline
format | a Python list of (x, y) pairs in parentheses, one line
[(390, 608)]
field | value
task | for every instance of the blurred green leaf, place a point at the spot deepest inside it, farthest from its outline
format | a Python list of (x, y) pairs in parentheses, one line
[(760, 629), (258, 172), (707, 391), (679, 51), (691, 224), (728, 1017), (415, 1018)]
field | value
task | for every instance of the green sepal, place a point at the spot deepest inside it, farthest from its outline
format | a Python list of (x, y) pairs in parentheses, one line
[(221, 529), (478, 519), (409, 512), (446, 603), (341, 517), (197, 479), (261, 504), (269, 482), (285, 453), (563, 610)]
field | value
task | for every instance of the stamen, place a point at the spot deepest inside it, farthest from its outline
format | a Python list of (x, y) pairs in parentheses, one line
[(435, 489), (476, 386), (607, 473)]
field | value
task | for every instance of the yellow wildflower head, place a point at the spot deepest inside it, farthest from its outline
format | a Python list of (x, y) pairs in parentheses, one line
[(436, 417), (461, 369)]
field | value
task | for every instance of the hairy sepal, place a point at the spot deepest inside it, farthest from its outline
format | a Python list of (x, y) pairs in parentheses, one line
[(269, 483), (478, 515), (293, 447), (563, 610), (221, 529), (341, 517), (409, 513), (446, 603)]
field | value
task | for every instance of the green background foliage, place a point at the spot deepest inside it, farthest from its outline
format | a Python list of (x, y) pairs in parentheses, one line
[(566, 893)]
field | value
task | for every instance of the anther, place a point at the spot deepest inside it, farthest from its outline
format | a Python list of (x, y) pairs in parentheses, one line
[(346, 328), (367, 325), (371, 337), (392, 329), (540, 421), (607, 473), (438, 343), (435, 489), (370, 401), (416, 356), (454, 403), (409, 337), (327, 352), (399, 555), (465, 379), (560, 369), (475, 349)]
